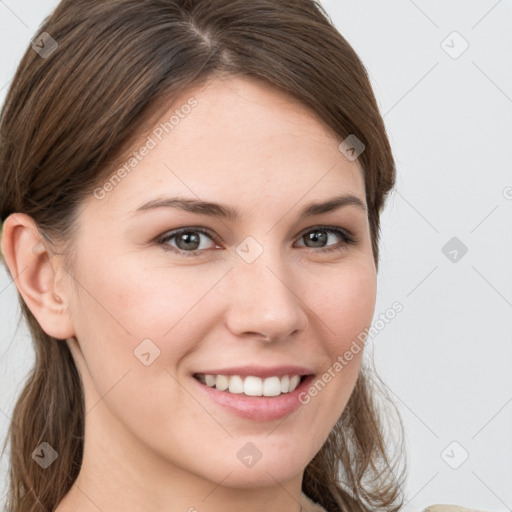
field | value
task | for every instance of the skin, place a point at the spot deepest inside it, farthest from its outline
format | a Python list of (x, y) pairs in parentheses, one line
[(153, 441)]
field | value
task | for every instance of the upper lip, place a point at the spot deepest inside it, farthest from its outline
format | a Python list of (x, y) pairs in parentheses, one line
[(259, 371)]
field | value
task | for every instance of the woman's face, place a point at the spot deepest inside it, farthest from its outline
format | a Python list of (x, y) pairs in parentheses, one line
[(269, 293)]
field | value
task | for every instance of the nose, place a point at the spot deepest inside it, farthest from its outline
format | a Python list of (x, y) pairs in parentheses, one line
[(264, 298)]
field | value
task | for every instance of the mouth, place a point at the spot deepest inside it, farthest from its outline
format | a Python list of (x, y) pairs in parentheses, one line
[(233, 394), (252, 385)]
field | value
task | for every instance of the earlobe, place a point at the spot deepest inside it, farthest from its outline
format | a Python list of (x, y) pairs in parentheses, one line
[(35, 271)]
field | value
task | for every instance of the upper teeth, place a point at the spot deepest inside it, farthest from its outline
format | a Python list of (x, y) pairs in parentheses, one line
[(251, 385)]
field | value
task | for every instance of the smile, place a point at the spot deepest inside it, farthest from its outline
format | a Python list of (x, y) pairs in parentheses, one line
[(251, 385)]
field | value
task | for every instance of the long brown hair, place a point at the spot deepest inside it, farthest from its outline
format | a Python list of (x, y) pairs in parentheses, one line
[(69, 112)]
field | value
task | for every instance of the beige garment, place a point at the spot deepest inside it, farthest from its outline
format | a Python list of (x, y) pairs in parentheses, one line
[(450, 508), (310, 506)]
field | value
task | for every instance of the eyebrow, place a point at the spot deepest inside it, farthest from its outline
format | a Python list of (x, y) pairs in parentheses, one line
[(229, 213)]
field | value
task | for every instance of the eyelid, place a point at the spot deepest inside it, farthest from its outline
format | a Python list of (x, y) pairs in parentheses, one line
[(169, 235), (326, 227), (349, 238)]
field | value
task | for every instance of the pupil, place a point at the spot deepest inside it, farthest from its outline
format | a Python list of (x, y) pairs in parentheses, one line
[(314, 238), (189, 239)]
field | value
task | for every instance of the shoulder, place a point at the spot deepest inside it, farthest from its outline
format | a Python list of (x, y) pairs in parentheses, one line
[(450, 508)]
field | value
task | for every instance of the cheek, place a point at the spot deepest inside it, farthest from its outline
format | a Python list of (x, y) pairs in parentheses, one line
[(117, 309), (345, 303), (122, 305), (126, 295)]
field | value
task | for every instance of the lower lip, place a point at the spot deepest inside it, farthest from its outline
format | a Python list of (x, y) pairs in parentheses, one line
[(260, 408)]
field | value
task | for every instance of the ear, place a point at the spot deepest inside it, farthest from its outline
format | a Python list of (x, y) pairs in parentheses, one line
[(35, 270)]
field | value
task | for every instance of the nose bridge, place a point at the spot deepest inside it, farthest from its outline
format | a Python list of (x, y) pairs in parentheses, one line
[(263, 297)]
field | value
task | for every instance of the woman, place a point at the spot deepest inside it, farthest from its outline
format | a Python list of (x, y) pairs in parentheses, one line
[(191, 193)]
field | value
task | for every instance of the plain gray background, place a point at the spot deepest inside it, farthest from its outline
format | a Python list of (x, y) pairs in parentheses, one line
[(446, 357)]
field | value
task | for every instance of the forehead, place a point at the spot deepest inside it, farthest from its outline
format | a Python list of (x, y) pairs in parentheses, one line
[(237, 139)]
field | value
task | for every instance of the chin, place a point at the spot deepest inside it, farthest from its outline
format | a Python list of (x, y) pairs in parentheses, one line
[(254, 478), (261, 473)]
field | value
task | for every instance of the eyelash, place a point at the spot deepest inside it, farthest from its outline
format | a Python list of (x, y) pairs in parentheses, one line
[(348, 239)]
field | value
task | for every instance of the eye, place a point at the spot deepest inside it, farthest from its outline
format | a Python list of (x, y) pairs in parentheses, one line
[(320, 235), (188, 240)]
